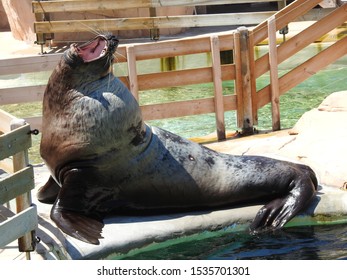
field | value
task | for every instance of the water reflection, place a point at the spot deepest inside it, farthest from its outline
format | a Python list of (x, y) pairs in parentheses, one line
[(295, 243)]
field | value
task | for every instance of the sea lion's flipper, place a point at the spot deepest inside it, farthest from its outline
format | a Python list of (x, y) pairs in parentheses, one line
[(278, 212), (48, 192), (77, 225), (73, 211)]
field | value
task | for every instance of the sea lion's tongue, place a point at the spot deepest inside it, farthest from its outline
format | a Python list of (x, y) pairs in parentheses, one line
[(92, 50)]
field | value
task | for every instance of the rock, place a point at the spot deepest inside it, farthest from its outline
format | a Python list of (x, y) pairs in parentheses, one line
[(336, 102)]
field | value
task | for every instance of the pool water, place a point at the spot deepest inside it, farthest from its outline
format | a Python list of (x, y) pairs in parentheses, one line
[(328, 242)]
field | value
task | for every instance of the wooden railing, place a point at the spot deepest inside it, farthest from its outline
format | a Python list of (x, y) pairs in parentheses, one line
[(244, 70), (15, 140)]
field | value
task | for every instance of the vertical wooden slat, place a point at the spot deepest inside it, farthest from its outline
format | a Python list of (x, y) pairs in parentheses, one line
[(274, 83), (238, 78), (132, 72), (218, 88), (245, 51), (20, 161), (252, 81)]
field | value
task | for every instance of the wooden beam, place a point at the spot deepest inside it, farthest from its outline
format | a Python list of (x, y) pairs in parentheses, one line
[(245, 82), (23, 201), (16, 184), (5, 120), (19, 95), (185, 108), (218, 88), (113, 24), (306, 70), (29, 64), (274, 84), (15, 141), (284, 17), (132, 72), (16, 226), (97, 5), (304, 38), (183, 77)]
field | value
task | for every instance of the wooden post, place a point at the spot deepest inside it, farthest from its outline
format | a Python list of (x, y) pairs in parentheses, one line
[(154, 32), (20, 161), (218, 88), (274, 83), (244, 82), (132, 72)]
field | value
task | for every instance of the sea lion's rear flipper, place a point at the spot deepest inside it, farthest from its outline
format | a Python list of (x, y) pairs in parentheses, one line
[(278, 212), (77, 225), (48, 192)]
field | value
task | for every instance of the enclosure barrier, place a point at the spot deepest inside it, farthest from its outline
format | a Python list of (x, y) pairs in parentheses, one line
[(15, 140), (244, 70)]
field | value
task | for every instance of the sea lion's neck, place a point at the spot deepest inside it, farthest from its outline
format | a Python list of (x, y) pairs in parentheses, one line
[(67, 83)]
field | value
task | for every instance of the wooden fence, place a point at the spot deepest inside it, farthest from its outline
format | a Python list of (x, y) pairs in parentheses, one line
[(15, 140), (244, 70)]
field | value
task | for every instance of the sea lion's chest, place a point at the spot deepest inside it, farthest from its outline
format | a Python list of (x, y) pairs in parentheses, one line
[(101, 116)]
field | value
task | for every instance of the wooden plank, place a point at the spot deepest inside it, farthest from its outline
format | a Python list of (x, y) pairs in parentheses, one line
[(20, 95), (15, 141), (303, 39), (23, 200), (29, 64), (218, 88), (185, 108), (183, 77), (159, 111), (6, 165), (16, 184), (150, 23), (238, 78), (284, 16), (35, 122), (274, 84), (252, 81), (186, 46), (160, 49), (132, 72), (246, 81), (18, 225), (5, 120), (97, 5), (306, 70)]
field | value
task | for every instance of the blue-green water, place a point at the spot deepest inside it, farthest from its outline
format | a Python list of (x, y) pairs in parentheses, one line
[(294, 243)]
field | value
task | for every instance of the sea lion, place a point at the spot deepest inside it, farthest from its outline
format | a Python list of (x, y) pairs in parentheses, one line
[(104, 158)]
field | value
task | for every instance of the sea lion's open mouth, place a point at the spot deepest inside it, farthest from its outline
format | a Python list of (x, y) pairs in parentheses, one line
[(93, 50)]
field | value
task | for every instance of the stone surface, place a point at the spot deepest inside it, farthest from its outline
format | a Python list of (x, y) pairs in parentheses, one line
[(21, 19)]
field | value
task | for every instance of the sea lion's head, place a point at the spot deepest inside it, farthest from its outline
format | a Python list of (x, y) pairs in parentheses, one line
[(92, 59)]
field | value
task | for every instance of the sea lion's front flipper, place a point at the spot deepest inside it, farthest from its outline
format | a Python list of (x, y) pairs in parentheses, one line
[(278, 212), (48, 192), (77, 225), (74, 212)]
